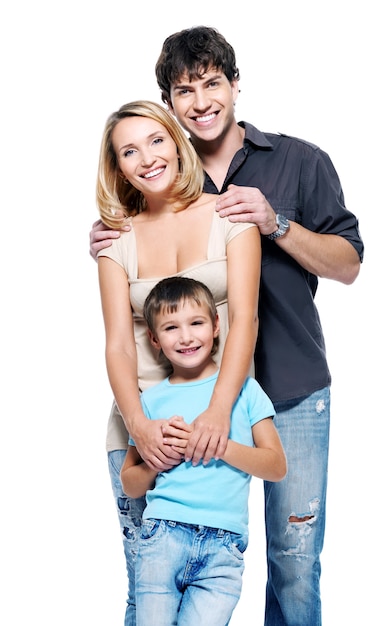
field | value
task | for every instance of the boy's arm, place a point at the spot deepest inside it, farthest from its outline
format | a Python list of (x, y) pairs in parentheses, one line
[(266, 460), (136, 476)]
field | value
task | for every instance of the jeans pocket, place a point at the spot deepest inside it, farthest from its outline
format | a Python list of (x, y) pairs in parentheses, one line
[(236, 544), (151, 529)]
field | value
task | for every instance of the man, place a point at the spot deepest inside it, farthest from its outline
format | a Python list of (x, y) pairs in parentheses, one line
[(290, 190)]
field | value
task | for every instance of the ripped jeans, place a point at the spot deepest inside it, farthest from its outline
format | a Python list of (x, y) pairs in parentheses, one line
[(130, 513), (295, 513)]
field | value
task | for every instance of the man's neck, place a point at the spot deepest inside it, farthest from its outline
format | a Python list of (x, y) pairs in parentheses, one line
[(217, 155)]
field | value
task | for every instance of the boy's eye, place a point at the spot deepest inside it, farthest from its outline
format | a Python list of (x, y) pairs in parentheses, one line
[(170, 328)]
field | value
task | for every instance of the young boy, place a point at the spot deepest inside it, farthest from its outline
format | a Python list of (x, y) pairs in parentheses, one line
[(195, 525)]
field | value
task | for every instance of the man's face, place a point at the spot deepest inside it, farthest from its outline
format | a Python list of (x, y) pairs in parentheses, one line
[(204, 107)]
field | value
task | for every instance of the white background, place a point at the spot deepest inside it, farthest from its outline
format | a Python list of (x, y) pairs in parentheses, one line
[(314, 70)]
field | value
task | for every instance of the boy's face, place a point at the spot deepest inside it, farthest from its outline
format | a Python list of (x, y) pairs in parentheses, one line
[(204, 107), (186, 335)]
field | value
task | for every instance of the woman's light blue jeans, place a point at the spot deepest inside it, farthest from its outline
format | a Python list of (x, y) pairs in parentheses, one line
[(130, 512), (187, 575), (295, 513)]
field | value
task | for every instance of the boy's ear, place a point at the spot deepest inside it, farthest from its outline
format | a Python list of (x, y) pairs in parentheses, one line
[(153, 339), (216, 331)]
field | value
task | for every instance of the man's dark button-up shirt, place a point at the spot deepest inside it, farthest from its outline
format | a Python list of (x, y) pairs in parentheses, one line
[(300, 182)]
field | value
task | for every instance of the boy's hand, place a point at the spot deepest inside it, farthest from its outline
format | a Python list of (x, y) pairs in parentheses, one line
[(176, 433)]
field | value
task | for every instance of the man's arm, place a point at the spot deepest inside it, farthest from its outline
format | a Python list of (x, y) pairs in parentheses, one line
[(101, 236), (326, 256)]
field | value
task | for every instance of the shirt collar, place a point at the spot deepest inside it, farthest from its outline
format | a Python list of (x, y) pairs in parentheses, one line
[(254, 136)]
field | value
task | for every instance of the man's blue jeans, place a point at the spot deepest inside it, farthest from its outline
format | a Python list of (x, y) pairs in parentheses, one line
[(130, 513), (295, 513)]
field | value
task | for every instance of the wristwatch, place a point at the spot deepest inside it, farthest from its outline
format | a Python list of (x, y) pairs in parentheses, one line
[(283, 225)]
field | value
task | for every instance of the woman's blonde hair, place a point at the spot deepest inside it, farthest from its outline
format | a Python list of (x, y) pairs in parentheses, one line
[(113, 193)]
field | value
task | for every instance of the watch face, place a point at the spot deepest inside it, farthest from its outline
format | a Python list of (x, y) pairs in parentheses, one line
[(282, 222), (283, 225)]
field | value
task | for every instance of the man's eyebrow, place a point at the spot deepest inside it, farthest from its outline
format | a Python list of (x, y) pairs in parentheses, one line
[(187, 84)]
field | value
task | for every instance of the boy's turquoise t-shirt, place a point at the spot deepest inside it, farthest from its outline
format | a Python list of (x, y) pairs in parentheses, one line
[(214, 495)]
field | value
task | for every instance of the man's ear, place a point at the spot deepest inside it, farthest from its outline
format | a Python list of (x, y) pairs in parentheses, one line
[(235, 90), (170, 108), (153, 339)]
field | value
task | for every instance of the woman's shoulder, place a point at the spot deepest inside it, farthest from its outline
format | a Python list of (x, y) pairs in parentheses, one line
[(206, 201)]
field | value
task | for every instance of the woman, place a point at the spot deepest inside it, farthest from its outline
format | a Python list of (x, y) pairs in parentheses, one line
[(149, 170)]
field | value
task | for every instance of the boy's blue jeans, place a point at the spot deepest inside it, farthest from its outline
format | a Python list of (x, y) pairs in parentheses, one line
[(294, 509), (187, 574)]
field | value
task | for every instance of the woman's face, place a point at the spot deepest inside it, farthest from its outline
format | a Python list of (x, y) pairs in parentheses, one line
[(146, 154)]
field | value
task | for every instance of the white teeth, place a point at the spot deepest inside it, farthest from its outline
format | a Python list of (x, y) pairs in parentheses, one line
[(153, 173), (206, 118)]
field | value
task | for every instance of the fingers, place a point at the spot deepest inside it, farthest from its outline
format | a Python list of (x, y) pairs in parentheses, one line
[(176, 427), (161, 462), (240, 202), (204, 447), (100, 237)]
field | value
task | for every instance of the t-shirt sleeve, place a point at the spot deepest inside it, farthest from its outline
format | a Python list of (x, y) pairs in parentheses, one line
[(124, 252), (259, 403), (233, 229)]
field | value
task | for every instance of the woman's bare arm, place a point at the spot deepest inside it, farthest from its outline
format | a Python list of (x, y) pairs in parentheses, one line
[(121, 362), (211, 428)]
